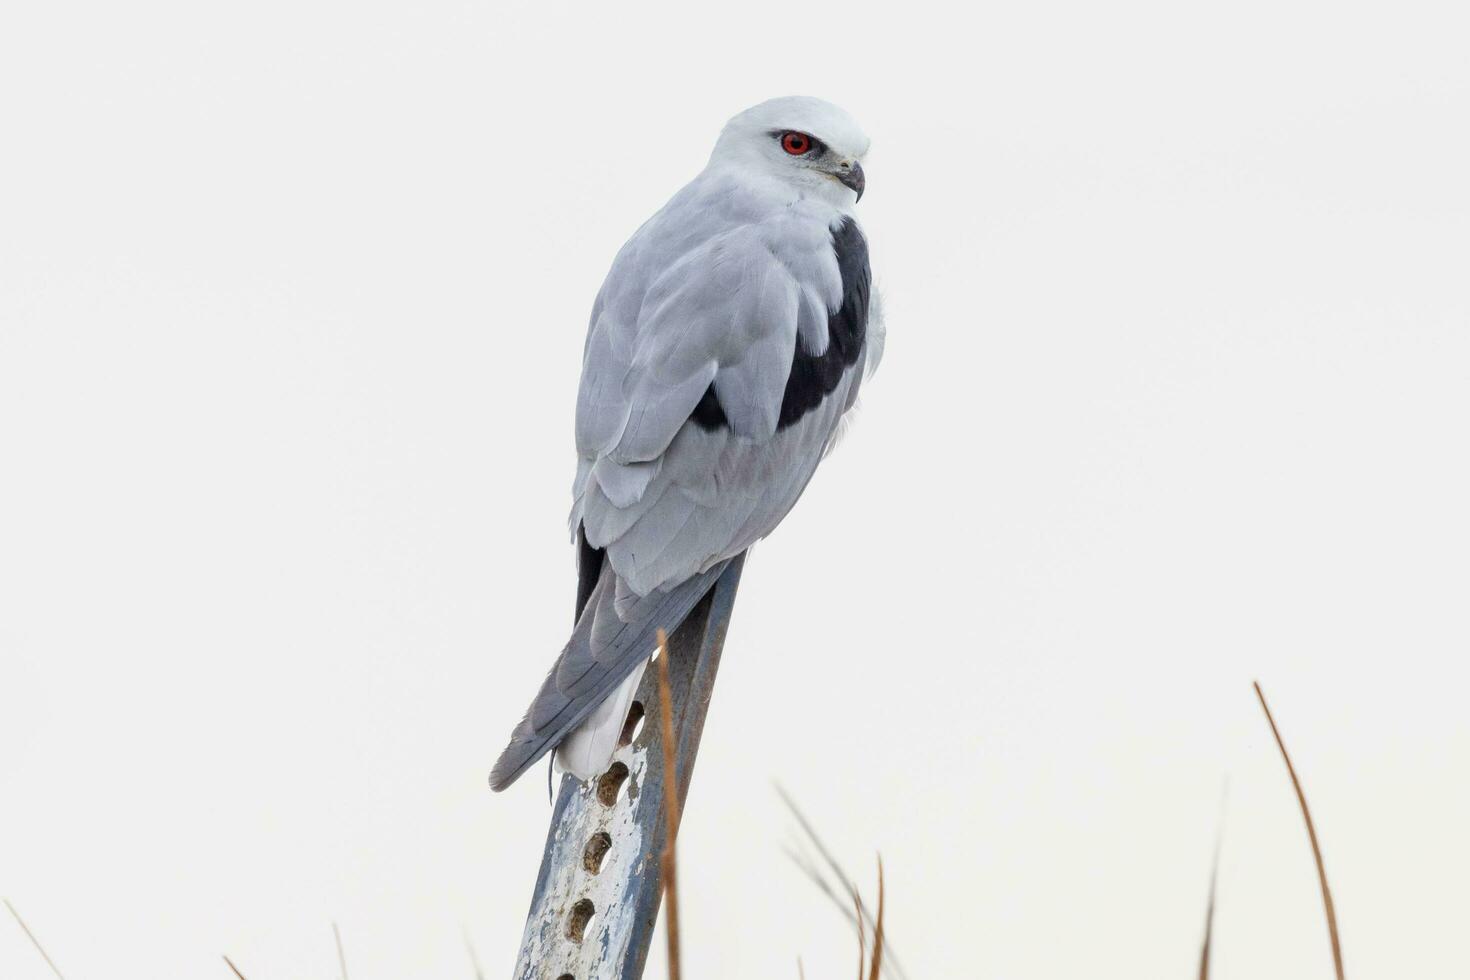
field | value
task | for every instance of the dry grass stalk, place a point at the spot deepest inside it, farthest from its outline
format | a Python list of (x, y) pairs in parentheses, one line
[(810, 868), (1204, 953), (865, 971), (234, 969), (1301, 798), (341, 957), (34, 941), (877, 967), (845, 894), (671, 806)]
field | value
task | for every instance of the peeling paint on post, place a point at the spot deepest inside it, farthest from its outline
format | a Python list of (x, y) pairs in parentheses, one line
[(598, 892)]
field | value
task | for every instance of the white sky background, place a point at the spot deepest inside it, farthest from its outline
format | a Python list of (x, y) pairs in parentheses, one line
[(292, 299)]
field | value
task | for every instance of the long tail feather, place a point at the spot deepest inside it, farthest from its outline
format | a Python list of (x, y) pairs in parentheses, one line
[(608, 644)]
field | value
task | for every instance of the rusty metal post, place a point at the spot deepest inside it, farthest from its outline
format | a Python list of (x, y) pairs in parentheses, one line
[(598, 892)]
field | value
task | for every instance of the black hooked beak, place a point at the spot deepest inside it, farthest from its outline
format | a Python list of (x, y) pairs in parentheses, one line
[(851, 176)]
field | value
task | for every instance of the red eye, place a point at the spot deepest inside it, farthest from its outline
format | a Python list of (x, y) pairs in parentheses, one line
[(796, 143)]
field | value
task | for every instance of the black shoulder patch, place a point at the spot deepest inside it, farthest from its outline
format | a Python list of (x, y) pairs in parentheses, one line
[(814, 377), (709, 415)]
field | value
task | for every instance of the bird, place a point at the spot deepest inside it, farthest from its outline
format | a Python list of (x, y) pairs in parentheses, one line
[(723, 358)]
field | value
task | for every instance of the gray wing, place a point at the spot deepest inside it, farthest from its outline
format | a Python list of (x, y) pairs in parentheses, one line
[(706, 406)]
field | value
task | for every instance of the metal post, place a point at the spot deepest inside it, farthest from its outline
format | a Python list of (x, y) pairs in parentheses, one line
[(598, 892)]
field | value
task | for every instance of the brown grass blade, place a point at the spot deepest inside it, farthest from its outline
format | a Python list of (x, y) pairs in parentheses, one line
[(234, 969), (1204, 953), (1301, 798), (848, 885), (671, 807), (845, 884), (878, 929), (34, 941)]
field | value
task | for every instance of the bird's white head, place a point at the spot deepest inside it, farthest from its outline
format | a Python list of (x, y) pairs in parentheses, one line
[(802, 141)]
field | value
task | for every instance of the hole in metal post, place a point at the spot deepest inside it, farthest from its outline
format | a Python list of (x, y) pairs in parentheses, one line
[(610, 783), (633, 725), (579, 919), (566, 976), (596, 850)]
